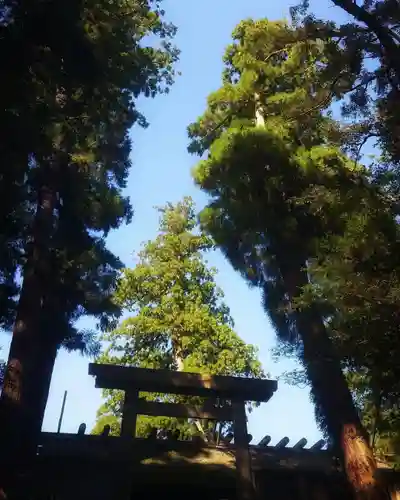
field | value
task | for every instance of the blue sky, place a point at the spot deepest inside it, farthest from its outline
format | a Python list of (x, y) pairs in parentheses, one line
[(160, 173)]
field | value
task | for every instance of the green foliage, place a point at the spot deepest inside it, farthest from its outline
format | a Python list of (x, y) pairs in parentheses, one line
[(356, 279), (277, 61), (262, 179), (279, 184), (322, 209), (178, 320), (72, 74), (356, 274)]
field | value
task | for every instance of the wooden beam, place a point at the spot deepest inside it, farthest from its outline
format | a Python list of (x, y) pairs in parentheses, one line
[(156, 409), (318, 445), (264, 441), (244, 474), (129, 413), (81, 429), (300, 444), (282, 443), (170, 382)]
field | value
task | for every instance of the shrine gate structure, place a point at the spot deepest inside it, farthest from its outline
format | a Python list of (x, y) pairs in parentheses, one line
[(235, 390)]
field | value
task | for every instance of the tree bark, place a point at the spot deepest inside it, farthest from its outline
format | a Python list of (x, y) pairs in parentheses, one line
[(179, 363), (329, 387), (180, 366), (332, 394), (32, 354)]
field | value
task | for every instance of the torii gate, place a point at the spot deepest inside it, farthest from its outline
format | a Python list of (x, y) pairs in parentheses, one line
[(238, 390)]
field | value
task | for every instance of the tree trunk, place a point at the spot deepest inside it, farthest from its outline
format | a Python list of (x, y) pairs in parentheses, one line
[(32, 353), (179, 363), (329, 387), (180, 366), (332, 395)]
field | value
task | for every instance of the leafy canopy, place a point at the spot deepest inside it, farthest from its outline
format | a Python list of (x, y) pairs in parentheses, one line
[(72, 74), (356, 274), (177, 319), (279, 183)]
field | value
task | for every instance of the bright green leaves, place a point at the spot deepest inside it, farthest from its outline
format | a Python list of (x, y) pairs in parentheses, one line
[(178, 320), (284, 197), (279, 185)]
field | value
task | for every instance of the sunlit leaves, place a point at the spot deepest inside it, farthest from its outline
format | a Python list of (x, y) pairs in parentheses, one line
[(177, 317)]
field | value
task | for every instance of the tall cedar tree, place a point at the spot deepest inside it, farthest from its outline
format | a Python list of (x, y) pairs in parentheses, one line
[(270, 151), (179, 321), (74, 71), (358, 275), (356, 280)]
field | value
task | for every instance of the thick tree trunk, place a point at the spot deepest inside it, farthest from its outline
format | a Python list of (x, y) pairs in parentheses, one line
[(332, 395), (25, 391), (329, 387), (32, 354)]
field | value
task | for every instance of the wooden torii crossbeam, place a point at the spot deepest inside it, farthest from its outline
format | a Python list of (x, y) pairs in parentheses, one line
[(236, 389)]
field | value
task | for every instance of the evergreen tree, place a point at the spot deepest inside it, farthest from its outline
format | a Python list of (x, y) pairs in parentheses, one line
[(272, 154), (78, 70), (178, 321), (356, 280), (356, 276)]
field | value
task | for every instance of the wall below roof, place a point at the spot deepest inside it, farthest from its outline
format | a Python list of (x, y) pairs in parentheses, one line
[(82, 467)]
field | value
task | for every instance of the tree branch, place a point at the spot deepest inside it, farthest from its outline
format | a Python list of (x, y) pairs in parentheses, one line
[(363, 16), (385, 35), (362, 144)]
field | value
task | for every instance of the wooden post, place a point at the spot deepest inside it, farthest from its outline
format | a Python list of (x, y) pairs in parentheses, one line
[(302, 487), (129, 413), (244, 476)]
